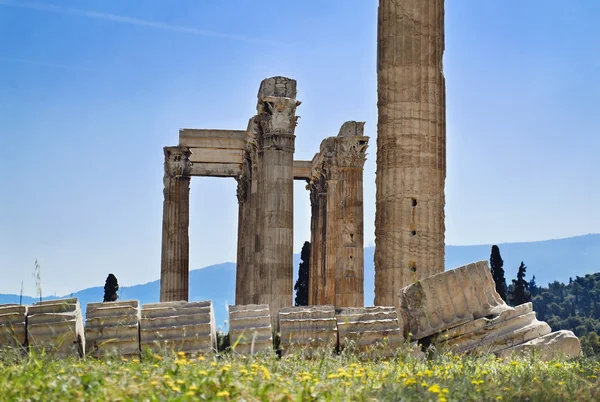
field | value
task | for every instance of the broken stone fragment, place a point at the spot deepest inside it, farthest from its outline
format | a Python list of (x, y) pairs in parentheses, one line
[(448, 299), (13, 331), (556, 345), (371, 331), (112, 329), (250, 329), (305, 329), (56, 327), (179, 327)]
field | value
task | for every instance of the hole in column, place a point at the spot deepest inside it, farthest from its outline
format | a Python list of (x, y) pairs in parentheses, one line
[(413, 202), (413, 266), (413, 232)]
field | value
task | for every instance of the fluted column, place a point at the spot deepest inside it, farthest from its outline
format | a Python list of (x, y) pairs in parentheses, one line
[(348, 216), (411, 145), (247, 228), (276, 123), (337, 225), (317, 238), (174, 270)]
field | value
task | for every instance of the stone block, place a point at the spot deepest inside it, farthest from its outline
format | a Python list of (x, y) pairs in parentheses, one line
[(56, 326), (112, 329), (13, 329), (374, 332), (305, 329), (449, 299), (178, 326), (556, 345), (511, 327), (250, 329)]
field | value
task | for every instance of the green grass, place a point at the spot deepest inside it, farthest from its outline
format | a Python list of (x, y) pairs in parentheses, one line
[(326, 377)]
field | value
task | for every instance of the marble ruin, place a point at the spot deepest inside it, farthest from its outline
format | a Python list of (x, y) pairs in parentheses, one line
[(372, 331), (336, 197), (411, 145), (13, 325), (112, 329), (250, 330), (178, 326), (56, 327), (416, 301), (261, 159), (475, 319), (305, 329)]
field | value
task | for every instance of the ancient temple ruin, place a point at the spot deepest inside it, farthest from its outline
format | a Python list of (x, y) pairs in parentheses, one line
[(411, 145), (261, 159)]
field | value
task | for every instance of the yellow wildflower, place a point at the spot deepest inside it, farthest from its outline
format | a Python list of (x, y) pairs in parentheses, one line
[(223, 393)]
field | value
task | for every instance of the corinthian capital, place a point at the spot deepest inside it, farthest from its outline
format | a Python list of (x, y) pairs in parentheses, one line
[(351, 151), (177, 162)]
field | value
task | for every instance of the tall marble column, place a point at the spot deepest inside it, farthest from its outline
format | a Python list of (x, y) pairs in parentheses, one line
[(337, 224), (411, 145), (247, 227), (348, 216), (174, 269), (276, 123)]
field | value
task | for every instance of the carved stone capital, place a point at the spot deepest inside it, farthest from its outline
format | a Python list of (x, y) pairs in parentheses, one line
[(351, 151), (276, 118), (177, 162)]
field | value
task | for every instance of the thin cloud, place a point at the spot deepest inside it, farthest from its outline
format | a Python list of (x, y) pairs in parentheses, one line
[(44, 64), (131, 21)]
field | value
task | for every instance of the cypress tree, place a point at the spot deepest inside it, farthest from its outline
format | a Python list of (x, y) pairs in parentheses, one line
[(301, 286), (496, 266), (520, 293), (110, 289)]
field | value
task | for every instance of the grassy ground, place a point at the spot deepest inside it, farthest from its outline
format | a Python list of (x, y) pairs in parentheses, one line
[(325, 377)]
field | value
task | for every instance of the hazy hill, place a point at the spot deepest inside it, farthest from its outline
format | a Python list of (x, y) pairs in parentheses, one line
[(548, 260)]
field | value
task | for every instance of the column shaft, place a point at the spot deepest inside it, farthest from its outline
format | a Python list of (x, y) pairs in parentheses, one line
[(174, 272), (411, 145)]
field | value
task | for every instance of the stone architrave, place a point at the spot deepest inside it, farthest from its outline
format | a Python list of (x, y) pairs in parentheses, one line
[(411, 145), (56, 326), (337, 224), (305, 329), (13, 331), (178, 326), (250, 329), (372, 331), (112, 329), (174, 272), (275, 125)]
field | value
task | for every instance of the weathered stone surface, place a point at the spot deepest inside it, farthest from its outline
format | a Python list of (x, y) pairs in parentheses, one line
[(112, 328), (304, 329), (511, 327), (13, 330), (174, 268), (56, 326), (373, 331), (411, 145), (448, 299), (555, 345), (337, 224), (250, 329), (178, 326), (275, 136)]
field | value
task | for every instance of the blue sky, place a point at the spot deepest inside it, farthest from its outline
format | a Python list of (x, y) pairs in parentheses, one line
[(90, 92)]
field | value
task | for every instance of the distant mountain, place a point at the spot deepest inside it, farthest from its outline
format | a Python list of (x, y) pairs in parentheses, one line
[(550, 260)]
